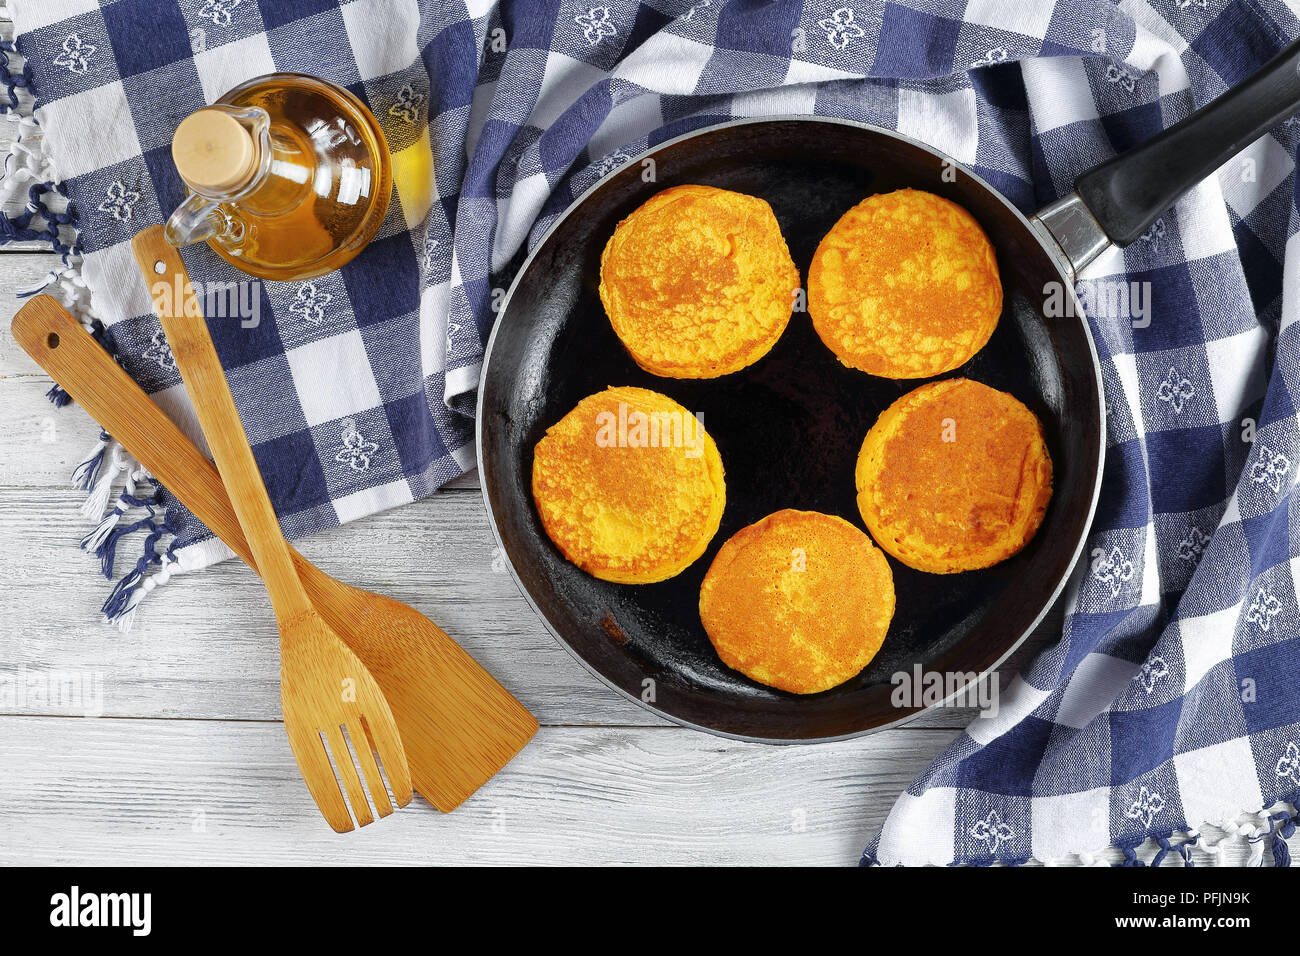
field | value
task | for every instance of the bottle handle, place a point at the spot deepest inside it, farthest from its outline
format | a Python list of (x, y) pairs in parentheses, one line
[(199, 219)]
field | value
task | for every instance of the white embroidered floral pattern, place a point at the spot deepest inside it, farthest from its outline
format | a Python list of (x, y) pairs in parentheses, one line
[(840, 28), (1263, 609), (1175, 390), (356, 450), (596, 25), (1289, 765), (76, 54), (1112, 570), (1184, 4), (1270, 468), (611, 162), (119, 201), (1192, 547), (993, 831), (1154, 233), (996, 55), (427, 258), (1146, 807), (160, 352), (1152, 671), (198, 40), (408, 105), (218, 11), (1124, 78), (698, 6), (310, 302)]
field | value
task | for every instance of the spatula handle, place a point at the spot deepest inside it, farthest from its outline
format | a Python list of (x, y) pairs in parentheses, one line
[(205, 381), (57, 343)]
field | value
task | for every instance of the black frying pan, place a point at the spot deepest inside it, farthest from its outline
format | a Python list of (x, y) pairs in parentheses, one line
[(790, 426)]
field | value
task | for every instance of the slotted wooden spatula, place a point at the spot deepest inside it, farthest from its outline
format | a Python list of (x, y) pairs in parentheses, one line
[(458, 725)]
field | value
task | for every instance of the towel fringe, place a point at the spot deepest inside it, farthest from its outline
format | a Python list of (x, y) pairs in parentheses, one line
[(34, 202), (126, 597), (1280, 828), (168, 568), (106, 551), (58, 397), (95, 539), (127, 594), (84, 475), (115, 462), (103, 539), (34, 206)]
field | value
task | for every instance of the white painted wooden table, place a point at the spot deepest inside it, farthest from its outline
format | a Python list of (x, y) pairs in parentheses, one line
[(188, 762)]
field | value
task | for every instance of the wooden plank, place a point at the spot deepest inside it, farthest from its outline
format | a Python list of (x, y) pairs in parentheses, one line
[(159, 792), (172, 792), (204, 646), (40, 445), (26, 246)]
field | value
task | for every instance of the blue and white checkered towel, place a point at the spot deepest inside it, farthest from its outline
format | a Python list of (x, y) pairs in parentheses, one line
[(1171, 700)]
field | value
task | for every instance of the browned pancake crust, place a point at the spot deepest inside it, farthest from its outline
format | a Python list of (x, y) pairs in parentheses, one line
[(905, 285), (698, 282), (621, 509), (959, 504), (800, 601)]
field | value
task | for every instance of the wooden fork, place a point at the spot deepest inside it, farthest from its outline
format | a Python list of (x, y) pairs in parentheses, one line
[(325, 690)]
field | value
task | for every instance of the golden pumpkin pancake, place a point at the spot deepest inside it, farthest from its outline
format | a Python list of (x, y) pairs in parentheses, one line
[(905, 285), (799, 601), (698, 282), (629, 486), (954, 476)]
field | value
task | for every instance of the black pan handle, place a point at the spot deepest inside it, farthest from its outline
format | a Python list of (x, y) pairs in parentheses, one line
[(1128, 193)]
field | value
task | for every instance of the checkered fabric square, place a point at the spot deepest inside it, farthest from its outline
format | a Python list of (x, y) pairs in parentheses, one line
[(355, 387), (1171, 698)]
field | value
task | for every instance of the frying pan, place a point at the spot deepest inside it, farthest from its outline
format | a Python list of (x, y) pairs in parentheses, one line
[(790, 426)]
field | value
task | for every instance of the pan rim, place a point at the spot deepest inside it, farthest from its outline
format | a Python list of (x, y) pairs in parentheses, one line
[(1051, 599)]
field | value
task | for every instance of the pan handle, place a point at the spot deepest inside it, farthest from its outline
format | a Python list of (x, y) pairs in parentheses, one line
[(1117, 201)]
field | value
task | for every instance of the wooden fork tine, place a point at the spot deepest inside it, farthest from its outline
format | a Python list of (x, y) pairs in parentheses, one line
[(392, 755), (314, 762), (347, 773), (364, 749)]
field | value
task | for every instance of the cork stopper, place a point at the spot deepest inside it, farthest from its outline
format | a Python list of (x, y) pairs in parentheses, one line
[(213, 151)]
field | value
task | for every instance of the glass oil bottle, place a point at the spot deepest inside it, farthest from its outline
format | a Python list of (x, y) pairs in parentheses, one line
[(289, 177)]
